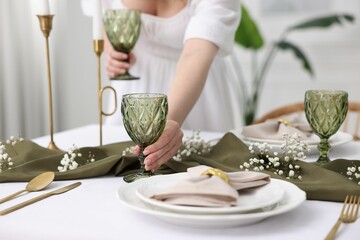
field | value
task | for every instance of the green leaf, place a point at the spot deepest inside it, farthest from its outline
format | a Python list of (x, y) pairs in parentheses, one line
[(285, 45), (247, 34), (323, 22)]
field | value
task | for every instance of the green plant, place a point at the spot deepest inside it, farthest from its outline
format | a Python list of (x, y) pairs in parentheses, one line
[(249, 37)]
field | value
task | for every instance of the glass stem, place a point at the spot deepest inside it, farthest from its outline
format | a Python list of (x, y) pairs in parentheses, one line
[(127, 61), (141, 160), (324, 148)]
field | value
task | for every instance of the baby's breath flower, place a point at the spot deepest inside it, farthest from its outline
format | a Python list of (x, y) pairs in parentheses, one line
[(353, 173), (128, 150), (292, 150), (68, 161), (91, 157), (6, 162), (193, 145)]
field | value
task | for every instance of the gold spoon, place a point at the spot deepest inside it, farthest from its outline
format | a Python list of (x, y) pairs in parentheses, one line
[(36, 184)]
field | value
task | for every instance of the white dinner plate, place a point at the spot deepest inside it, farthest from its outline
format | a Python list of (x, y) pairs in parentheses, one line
[(293, 197), (263, 197), (335, 140)]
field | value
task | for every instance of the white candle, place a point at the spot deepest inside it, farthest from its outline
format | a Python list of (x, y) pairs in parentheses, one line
[(97, 21), (43, 7)]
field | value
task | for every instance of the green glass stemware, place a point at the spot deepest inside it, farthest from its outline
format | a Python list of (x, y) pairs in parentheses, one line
[(144, 116), (122, 27), (325, 111)]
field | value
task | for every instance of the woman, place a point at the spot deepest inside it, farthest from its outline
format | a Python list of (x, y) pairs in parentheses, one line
[(180, 52)]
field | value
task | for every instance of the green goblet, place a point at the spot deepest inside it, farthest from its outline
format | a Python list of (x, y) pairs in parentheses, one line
[(144, 117), (122, 26), (325, 111)]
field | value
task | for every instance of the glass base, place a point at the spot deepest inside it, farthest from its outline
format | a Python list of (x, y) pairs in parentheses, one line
[(126, 76), (323, 160), (136, 176)]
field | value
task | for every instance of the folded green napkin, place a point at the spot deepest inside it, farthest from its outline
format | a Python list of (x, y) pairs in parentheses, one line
[(326, 182)]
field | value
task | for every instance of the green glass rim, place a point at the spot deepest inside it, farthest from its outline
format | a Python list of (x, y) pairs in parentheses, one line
[(145, 95), (122, 10), (327, 92)]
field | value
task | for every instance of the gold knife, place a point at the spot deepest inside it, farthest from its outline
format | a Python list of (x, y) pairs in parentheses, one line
[(41, 197)]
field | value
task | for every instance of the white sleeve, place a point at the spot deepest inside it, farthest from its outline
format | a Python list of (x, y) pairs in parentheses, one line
[(215, 21), (87, 6)]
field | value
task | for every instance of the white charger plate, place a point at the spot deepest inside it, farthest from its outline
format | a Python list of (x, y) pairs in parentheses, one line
[(292, 199), (249, 199)]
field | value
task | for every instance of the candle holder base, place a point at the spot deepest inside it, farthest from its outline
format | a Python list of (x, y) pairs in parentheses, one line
[(52, 146)]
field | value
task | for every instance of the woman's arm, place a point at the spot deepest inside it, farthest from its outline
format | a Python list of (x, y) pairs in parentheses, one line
[(190, 77)]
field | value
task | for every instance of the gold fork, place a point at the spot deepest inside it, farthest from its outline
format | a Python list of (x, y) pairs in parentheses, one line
[(348, 214)]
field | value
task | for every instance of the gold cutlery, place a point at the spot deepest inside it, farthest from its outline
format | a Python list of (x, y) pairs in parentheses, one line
[(36, 184), (41, 197), (348, 214)]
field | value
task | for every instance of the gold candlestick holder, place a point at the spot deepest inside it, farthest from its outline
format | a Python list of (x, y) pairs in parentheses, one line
[(98, 49), (46, 26)]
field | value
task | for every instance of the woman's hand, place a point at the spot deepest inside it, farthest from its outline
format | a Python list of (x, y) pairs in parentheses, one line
[(116, 62), (164, 148)]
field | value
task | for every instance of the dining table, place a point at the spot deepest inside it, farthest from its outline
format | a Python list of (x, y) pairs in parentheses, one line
[(93, 211)]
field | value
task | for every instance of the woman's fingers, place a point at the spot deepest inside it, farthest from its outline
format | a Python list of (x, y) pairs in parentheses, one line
[(120, 56), (132, 59), (116, 63), (115, 66), (136, 150), (162, 156), (165, 148)]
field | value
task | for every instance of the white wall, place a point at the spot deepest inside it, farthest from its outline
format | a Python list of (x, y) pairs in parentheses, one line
[(75, 67)]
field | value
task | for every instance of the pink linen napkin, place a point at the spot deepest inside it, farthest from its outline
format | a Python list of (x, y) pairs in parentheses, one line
[(274, 129), (210, 191)]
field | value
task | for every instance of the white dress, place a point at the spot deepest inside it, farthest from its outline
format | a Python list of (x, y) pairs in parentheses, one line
[(159, 47)]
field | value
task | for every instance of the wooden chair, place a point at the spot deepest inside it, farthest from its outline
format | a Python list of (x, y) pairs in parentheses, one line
[(353, 116)]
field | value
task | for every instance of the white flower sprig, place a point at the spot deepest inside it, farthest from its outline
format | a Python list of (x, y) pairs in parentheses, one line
[(128, 150), (6, 162), (285, 163), (353, 173), (13, 140), (193, 145), (91, 158), (293, 148), (68, 161)]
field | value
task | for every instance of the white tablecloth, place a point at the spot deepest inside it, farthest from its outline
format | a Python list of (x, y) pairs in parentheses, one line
[(92, 211)]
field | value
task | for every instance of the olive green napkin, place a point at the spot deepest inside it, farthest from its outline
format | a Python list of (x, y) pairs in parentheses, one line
[(324, 182)]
